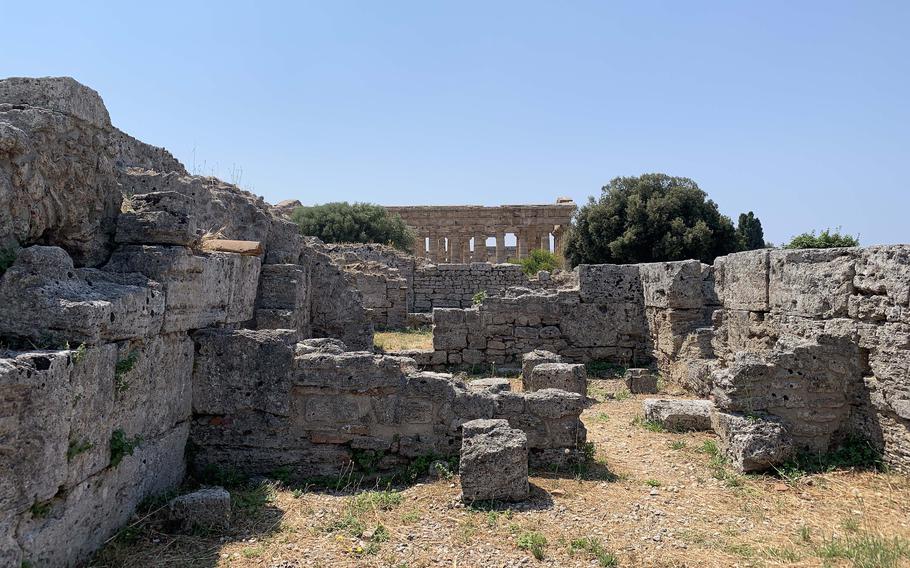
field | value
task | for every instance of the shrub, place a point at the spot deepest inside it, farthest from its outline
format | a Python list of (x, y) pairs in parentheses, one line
[(342, 222), (479, 297), (825, 239), (537, 260), (650, 218)]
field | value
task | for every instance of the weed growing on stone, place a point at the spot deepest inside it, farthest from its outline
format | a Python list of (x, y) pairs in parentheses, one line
[(595, 548), (121, 446), (79, 354), (76, 447), (599, 369), (853, 453), (533, 542), (41, 510), (479, 297), (123, 367)]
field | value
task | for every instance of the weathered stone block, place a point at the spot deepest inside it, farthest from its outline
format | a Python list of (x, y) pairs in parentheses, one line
[(494, 462), (641, 381), (200, 289), (45, 297), (752, 443), (811, 282), (742, 280), (679, 415), (533, 358), (208, 508), (570, 377), (162, 217)]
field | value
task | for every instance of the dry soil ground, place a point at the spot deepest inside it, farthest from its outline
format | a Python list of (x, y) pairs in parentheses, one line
[(653, 499)]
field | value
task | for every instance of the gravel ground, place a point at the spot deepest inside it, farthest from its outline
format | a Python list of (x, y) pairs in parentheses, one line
[(653, 499)]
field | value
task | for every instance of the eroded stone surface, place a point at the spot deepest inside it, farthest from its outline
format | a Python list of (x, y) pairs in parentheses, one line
[(494, 462), (679, 415)]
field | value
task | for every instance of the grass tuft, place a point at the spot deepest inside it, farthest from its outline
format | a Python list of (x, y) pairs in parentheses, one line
[(533, 542)]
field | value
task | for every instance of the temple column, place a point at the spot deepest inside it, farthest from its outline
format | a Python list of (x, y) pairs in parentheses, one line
[(557, 240), (420, 250), (431, 248), (441, 256), (480, 249), (521, 244), (466, 249), (533, 240), (455, 249), (500, 247), (545, 241)]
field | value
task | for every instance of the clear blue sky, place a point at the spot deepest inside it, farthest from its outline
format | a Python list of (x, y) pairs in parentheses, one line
[(799, 111)]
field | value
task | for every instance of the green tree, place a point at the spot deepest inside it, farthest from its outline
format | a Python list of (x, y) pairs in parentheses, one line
[(825, 239), (537, 260), (653, 217), (749, 233), (342, 222)]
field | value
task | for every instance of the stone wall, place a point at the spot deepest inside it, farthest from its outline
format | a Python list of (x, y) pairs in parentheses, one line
[(454, 285), (602, 318), (318, 408), (96, 364), (820, 339)]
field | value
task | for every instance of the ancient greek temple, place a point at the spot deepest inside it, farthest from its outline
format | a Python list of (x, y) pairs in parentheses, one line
[(464, 233)]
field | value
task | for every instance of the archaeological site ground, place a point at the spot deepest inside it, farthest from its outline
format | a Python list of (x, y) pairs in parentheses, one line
[(185, 380)]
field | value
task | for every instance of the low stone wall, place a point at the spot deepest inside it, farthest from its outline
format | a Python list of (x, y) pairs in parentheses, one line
[(454, 285), (318, 409), (603, 318)]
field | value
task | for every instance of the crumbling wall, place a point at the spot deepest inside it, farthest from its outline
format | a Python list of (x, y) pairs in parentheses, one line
[(819, 338), (96, 363), (603, 318), (317, 408)]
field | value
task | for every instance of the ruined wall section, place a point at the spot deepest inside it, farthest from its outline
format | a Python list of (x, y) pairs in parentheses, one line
[(454, 285), (318, 408), (603, 318), (820, 338)]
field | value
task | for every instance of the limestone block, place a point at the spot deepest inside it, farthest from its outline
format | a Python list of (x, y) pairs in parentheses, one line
[(494, 462), (200, 289), (640, 381), (45, 297), (282, 300), (554, 403), (742, 280), (679, 415), (207, 508), (565, 376), (85, 516), (672, 284), (811, 282), (61, 94), (752, 443), (599, 283), (533, 358), (882, 285), (227, 363), (163, 217)]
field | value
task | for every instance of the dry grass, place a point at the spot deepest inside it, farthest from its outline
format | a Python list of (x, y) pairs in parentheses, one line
[(404, 340), (654, 499)]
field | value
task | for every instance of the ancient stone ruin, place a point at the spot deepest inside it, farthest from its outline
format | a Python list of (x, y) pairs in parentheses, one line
[(154, 323)]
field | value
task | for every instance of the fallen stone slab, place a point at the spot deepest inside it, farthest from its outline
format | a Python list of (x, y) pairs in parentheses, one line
[(641, 381), (208, 508), (570, 377), (494, 462), (752, 443), (679, 415)]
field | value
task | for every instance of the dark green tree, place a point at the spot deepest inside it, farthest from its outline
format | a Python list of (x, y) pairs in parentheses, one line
[(342, 222), (825, 239), (653, 217), (749, 232)]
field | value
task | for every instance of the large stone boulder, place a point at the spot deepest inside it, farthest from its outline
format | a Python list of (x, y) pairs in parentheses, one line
[(641, 381), (570, 377), (679, 415), (752, 443), (494, 462)]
